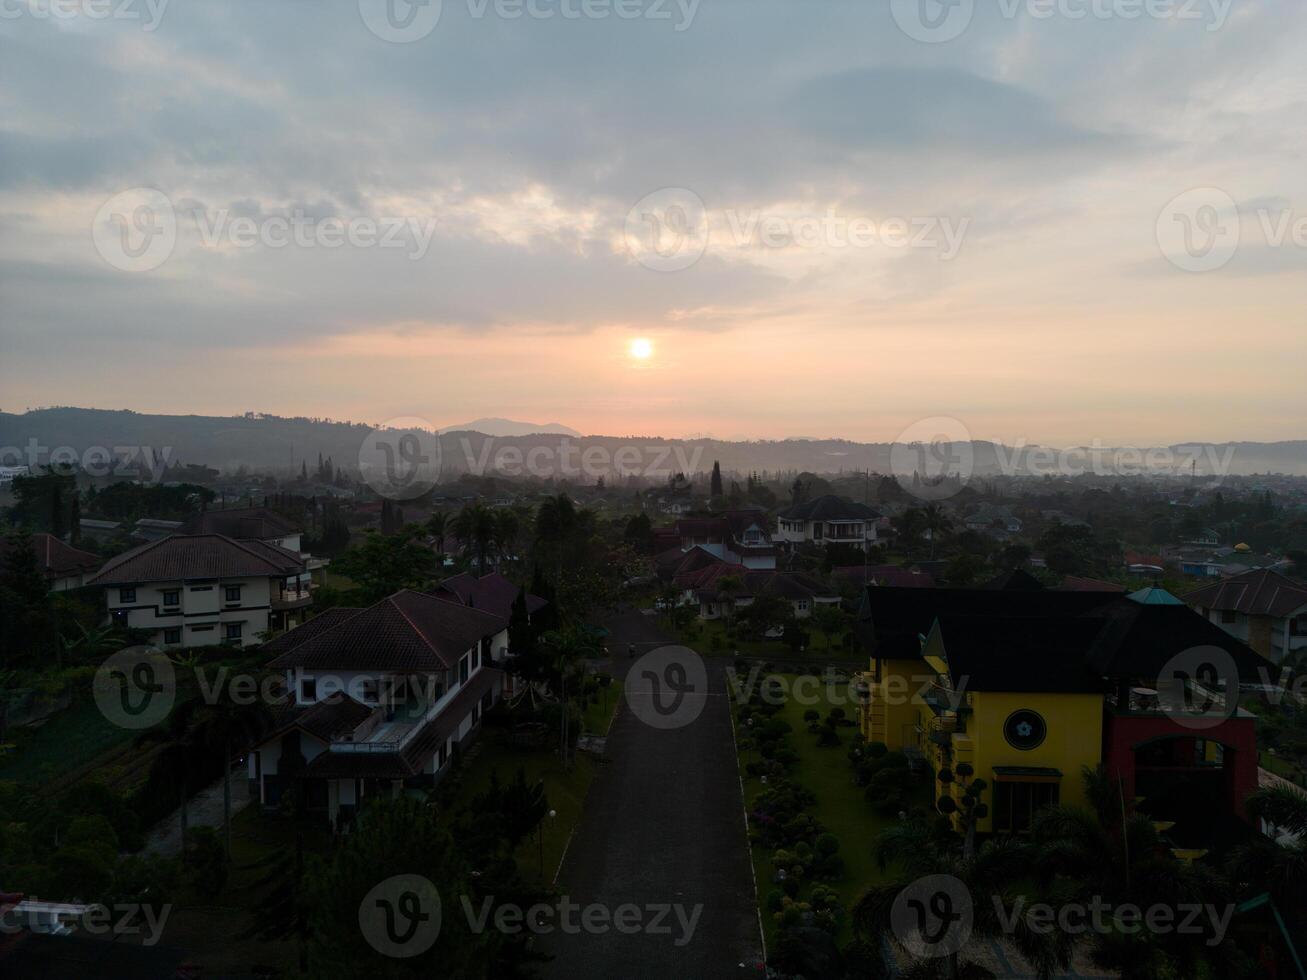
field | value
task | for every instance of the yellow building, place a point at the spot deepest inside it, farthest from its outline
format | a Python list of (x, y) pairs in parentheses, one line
[(1023, 688)]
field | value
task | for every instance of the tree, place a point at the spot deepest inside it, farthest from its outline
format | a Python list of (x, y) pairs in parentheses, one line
[(830, 619), (925, 845), (475, 526), (1277, 864), (715, 487), (728, 587), (27, 625), (380, 566), (392, 838), (935, 522), (437, 526)]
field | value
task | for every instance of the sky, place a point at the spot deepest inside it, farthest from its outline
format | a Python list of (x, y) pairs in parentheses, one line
[(1057, 221)]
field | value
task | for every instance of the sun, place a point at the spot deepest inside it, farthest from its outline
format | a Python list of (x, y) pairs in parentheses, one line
[(641, 348)]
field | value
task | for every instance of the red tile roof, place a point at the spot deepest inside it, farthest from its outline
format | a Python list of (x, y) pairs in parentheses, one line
[(56, 558), (182, 557), (491, 592), (408, 631), (245, 522), (1257, 593)]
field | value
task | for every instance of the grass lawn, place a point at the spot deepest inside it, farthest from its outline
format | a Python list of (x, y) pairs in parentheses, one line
[(840, 808), (64, 742), (700, 634), (565, 788)]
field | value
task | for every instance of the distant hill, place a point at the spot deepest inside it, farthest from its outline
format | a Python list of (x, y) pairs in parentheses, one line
[(509, 427), (272, 443)]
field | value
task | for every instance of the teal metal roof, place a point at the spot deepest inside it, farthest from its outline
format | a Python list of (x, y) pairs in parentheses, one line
[(1153, 596)]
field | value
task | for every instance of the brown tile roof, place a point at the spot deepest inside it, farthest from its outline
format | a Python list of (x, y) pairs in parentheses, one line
[(330, 718), (408, 631), (55, 557), (1257, 593), (181, 557), (1075, 583), (245, 522), (310, 627), (491, 592)]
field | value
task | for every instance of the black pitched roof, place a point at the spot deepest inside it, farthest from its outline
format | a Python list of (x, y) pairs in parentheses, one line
[(830, 508), (244, 522), (892, 619), (1035, 655), (408, 631)]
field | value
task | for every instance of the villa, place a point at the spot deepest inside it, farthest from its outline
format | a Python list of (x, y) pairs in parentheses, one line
[(1025, 687), (379, 699), (205, 589), (828, 520)]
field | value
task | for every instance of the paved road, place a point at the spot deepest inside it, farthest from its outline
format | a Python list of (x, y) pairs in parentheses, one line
[(203, 810), (663, 825)]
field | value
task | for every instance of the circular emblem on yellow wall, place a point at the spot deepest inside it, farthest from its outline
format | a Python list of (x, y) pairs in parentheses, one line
[(1025, 730)]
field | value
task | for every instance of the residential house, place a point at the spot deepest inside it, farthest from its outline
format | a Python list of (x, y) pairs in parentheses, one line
[(827, 520), (150, 529), (63, 566), (491, 593), (1024, 688), (204, 589), (896, 575), (1263, 608), (246, 524), (707, 588), (993, 517), (379, 699), (739, 537), (9, 473)]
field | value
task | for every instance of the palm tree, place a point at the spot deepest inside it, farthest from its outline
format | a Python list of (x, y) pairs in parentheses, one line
[(728, 587), (564, 650), (922, 845), (936, 522), (437, 525), (475, 527), (507, 528), (1105, 853), (228, 726), (1276, 864)]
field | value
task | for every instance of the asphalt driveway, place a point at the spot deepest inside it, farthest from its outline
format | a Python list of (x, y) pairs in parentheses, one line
[(663, 826)]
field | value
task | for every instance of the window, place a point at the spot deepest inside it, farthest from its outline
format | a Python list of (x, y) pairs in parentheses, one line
[(801, 605), (476, 657), (462, 671), (308, 689), (1015, 804), (202, 629), (126, 595), (232, 631), (172, 597), (173, 635), (233, 593), (1229, 616)]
